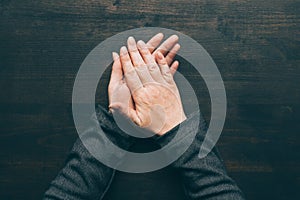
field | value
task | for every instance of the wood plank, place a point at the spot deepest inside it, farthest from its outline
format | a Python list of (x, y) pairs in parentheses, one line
[(255, 44)]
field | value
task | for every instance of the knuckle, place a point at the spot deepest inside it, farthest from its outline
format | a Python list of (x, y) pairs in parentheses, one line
[(139, 65), (130, 72), (166, 73), (152, 67), (169, 79)]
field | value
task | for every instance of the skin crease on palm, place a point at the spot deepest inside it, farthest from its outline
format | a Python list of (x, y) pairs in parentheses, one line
[(142, 87)]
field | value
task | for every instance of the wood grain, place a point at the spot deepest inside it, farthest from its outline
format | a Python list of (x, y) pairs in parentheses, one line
[(255, 45)]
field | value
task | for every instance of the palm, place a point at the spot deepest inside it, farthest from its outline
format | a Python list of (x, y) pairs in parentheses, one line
[(119, 94), (154, 103)]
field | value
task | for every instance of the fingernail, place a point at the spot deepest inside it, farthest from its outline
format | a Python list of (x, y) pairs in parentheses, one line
[(123, 50), (175, 37), (131, 40), (161, 35), (160, 56), (141, 44), (115, 55)]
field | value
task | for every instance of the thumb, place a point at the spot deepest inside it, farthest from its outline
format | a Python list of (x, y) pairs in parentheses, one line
[(116, 73), (128, 112)]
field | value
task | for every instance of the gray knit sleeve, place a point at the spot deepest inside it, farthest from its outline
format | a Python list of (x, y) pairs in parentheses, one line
[(83, 176), (204, 178)]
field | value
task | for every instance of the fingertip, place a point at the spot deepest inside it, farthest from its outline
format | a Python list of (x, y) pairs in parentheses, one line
[(131, 40), (174, 67), (160, 35), (115, 56), (175, 37), (141, 44), (123, 50), (159, 55), (174, 50)]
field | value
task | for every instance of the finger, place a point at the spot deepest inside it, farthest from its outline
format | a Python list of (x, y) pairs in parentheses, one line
[(164, 67), (138, 62), (132, 79), (115, 76), (144, 74), (172, 53), (165, 47), (116, 73), (136, 58), (150, 62), (174, 67), (153, 43)]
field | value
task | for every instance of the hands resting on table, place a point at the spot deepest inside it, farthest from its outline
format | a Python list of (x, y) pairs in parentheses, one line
[(142, 87), (143, 90)]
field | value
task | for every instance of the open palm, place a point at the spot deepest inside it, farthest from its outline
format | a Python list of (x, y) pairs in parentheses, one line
[(120, 98)]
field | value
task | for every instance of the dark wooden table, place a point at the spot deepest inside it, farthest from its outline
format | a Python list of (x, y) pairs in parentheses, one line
[(255, 44)]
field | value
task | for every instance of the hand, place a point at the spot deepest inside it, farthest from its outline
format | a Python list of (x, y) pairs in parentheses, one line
[(157, 103), (119, 94)]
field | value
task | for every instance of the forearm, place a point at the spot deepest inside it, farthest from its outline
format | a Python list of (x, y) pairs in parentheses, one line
[(83, 176), (204, 178)]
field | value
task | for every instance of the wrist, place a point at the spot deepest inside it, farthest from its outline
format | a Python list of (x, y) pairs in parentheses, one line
[(172, 124)]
